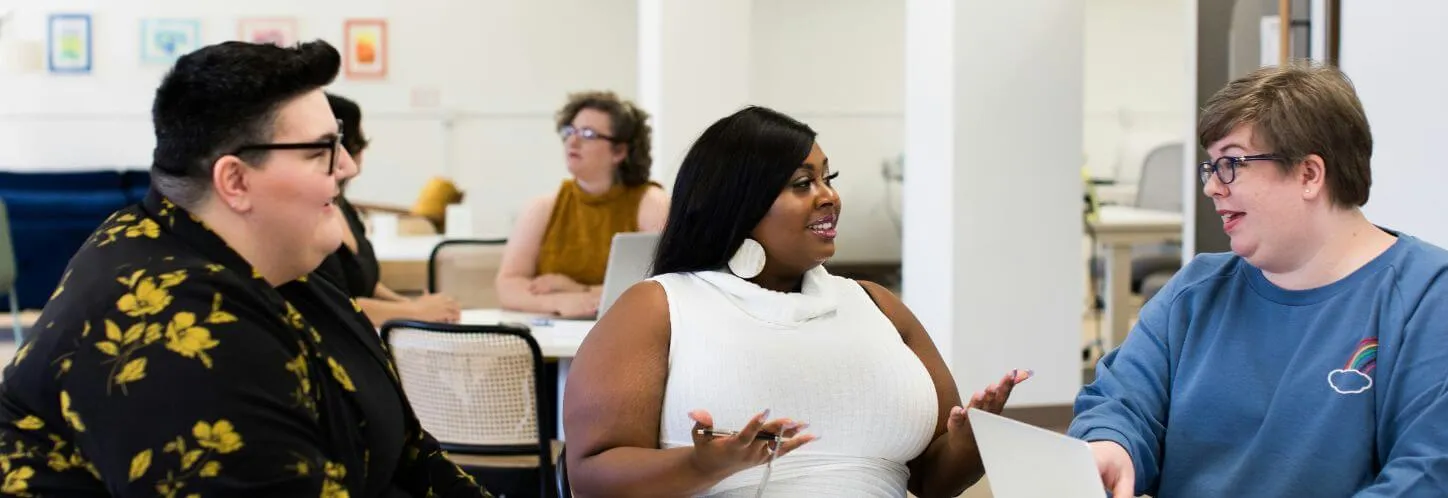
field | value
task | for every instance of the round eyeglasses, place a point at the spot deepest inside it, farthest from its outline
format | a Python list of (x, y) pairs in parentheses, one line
[(1225, 167)]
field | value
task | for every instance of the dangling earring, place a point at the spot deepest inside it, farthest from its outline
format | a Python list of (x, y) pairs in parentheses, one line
[(748, 261)]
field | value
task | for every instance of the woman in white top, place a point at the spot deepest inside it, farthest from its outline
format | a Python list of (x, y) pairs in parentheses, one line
[(741, 323)]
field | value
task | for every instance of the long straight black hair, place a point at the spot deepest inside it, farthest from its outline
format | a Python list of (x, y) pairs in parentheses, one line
[(727, 183)]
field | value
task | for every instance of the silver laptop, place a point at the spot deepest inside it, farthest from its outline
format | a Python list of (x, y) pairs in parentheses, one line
[(1025, 461), (629, 260)]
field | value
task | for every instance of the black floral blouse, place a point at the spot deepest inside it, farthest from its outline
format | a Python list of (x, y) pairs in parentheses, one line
[(165, 366)]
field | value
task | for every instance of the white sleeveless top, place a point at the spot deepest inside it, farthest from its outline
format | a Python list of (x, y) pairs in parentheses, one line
[(826, 356)]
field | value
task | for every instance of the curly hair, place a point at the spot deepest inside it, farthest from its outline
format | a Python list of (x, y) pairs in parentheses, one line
[(630, 126)]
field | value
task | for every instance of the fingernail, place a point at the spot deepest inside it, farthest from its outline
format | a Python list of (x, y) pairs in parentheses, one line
[(803, 426), (765, 415)]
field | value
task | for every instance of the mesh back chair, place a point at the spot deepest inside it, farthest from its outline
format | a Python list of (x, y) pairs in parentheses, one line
[(478, 389), (465, 270), (8, 274)]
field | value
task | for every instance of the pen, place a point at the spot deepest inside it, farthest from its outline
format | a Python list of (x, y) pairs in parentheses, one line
[(761, 436)]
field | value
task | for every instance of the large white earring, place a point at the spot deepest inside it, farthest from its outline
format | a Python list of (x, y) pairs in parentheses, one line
[(748, 261)]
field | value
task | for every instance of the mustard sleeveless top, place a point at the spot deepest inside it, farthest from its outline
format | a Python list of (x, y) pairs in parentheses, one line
[(581, 228)]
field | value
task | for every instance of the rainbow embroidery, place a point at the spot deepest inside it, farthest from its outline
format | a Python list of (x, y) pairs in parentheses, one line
[(1365, 357), (1355, 377)]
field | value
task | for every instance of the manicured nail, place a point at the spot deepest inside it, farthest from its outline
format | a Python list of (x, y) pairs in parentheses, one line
[(765, 415)]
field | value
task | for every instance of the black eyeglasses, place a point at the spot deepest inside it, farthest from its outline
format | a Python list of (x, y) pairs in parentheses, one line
[(331, 145), (1226, 166), (584, 133)]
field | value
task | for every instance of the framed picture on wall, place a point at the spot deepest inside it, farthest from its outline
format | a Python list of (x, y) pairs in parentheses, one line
[(280, 31), (164, 40), (68, 47), (366, 48)]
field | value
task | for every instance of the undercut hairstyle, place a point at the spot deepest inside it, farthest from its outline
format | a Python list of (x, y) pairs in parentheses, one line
[(223, 96)]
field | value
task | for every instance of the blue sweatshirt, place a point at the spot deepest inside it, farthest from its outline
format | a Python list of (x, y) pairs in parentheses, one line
[(1232, 386)]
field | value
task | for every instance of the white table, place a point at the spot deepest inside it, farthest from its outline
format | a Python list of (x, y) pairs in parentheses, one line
[(1117, 229), (558, 338), (413, 248)]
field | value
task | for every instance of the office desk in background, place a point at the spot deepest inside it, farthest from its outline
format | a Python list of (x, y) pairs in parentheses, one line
[(1117, 229), (403, 261)]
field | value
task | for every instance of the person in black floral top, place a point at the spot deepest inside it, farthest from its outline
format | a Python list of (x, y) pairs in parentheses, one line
[(186, 351)]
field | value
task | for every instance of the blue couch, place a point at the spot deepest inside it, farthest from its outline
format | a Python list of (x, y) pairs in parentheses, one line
[(52, 214)]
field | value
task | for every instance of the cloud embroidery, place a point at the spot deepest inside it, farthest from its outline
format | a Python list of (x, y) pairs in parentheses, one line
[(1356, 376)]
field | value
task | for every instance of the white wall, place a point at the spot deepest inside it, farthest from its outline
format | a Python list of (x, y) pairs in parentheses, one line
[(838, 65), (1134, 82), (1389, 49), (992, 206), (501, 68)]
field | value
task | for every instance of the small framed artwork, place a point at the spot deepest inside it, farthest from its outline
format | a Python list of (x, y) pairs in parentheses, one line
[(366, 48), (164, 40), (280, 31), (68, 48)]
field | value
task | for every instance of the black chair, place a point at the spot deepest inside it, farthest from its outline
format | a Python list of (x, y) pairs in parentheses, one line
[(480, 391), (465, 270)]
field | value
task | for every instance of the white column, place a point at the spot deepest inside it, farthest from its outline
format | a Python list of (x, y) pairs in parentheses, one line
[(992, 196), (693, 70), (1403, 103)]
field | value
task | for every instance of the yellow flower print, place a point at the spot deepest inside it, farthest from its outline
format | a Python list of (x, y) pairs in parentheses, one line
[(211, 469), (146, 298), (140, 464), (341, 375), (133, 371), (332, 487), (24, 351), (17, 481), (186, 339), (59, 288), (146, 228), (294, 318), (217, 316), (220, 436), (71, 417), (30, 423)]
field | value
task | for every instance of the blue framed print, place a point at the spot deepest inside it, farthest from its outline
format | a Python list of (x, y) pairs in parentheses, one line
[(69, 45), (165, 40)]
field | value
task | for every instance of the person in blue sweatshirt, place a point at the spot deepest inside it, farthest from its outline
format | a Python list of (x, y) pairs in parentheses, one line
[(1312, 360)]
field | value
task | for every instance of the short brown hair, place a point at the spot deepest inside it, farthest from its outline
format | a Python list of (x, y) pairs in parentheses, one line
[(1295, 110), (630, 126)]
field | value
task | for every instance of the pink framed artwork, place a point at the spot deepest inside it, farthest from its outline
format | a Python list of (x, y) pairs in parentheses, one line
[(366, 48), (281, 31)]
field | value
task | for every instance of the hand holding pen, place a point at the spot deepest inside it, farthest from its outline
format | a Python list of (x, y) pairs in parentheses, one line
[(721, 453)]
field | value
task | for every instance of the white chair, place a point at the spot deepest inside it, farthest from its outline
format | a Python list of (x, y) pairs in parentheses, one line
[(478, 389)]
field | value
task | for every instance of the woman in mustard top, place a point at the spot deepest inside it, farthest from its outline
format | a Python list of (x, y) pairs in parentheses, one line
[(555, 259)]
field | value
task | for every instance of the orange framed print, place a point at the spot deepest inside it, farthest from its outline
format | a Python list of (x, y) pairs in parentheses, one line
[(366, 48)]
